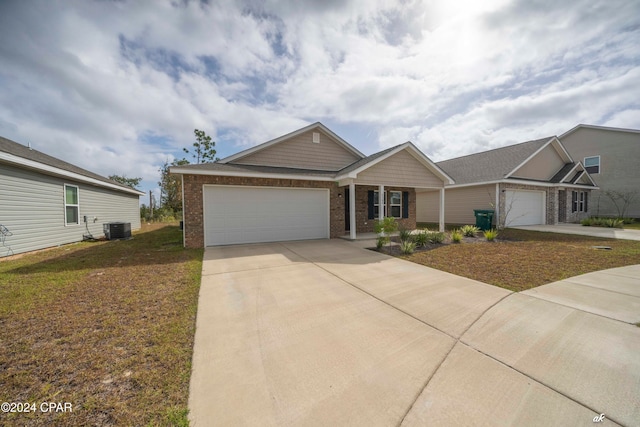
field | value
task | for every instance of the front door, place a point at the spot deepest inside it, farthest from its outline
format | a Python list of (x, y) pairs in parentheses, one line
[(562, 206)]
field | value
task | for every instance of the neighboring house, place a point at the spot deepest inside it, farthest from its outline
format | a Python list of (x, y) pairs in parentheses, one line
[(535, 182), (308, 184), (612, 158), (47, 202)]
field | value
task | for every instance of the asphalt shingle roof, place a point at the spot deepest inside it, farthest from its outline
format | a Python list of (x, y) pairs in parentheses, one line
[(19, 150), (490, 165), (557, 178)]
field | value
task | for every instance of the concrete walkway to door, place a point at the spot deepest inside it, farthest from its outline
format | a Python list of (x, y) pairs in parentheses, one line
[(606, 233), (327, 333)]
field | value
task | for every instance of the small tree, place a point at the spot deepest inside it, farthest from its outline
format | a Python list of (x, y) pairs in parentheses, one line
[(621, 200), (385, 227), (171, 186), (203, 149), (122, 179)]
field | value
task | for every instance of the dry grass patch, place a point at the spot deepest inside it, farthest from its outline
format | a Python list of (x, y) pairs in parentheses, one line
[(522, 259), (106, 326)]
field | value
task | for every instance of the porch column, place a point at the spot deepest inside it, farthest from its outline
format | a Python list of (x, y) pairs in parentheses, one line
[(442, 209), (381, 203), (352, 211)]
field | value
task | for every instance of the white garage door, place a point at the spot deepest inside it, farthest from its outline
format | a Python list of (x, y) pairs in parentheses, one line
[(524, 208), (234, 214)]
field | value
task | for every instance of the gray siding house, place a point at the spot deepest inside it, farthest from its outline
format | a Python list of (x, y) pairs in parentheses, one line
[(612, 158), (47, 202)]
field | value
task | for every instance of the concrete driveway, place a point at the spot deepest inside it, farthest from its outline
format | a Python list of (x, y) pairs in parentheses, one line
[(327, 333)]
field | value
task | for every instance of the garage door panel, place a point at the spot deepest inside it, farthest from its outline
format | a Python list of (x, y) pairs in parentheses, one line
[(234, 215), (524, 207)]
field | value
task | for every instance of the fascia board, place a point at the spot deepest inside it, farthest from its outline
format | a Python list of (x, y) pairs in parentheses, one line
[(529, 158), (184, 171), (51, 170)]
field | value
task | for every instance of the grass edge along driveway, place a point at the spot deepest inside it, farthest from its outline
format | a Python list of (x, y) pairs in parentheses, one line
[(105, 326), (523, 259)]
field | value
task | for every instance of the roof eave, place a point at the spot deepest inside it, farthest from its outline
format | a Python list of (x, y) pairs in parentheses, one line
[(419, 155), (52, 170), (551, 140), (185, 171)]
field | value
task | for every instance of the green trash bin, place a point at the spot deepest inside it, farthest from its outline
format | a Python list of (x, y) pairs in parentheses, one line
[(484, 218)]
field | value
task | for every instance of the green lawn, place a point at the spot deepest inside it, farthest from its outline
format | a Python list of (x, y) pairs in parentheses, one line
[(105, 326), (522, 259)]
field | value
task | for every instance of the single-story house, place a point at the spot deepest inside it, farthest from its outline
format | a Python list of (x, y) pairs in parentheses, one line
[(535, 182), (308, 184), (611, 156), (47, 202)]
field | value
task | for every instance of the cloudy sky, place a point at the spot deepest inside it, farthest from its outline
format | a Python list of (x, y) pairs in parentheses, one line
[(118, 87)]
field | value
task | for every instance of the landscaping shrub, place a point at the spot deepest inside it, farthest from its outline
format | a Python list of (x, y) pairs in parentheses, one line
[(420, 238), (405, 235), (469, 230), (407, 247), (436, 237), (387, 226), (628, 220), (490, 235), (587, 222), (456, 236), (604, 222), (381, 241)]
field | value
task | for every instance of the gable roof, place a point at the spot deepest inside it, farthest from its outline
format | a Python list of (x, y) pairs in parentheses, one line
[(348, 172), (15, 153), (314, 126), (491, 165), (583, 126), (352, 170), (501, 163)]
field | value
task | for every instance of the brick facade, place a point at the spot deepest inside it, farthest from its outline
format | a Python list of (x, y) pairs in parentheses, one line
[(553, 203), (193, 200), (366, 225)]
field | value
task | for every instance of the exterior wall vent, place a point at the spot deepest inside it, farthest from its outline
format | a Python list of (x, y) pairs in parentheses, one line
[(316, 137)]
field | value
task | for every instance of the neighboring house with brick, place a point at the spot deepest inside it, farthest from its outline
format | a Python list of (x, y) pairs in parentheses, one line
[(612, 158), (47, 202), (308, 184), (535, 182)]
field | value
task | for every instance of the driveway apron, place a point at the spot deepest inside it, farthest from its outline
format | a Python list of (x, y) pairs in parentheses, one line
[(327, 333)]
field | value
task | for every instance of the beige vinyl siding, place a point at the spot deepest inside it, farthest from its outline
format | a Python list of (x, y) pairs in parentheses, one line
[(401, 169), (301, 152), (619, 152), (543, 166), (459, 204), (32, 208)]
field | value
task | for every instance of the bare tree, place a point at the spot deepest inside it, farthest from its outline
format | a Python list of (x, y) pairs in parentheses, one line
[(621, 200)]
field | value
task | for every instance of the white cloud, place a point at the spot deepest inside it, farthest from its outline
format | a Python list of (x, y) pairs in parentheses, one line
[(118, 87)]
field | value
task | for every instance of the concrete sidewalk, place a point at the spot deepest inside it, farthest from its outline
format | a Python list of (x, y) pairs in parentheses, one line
[(327, 333), (605, 233)]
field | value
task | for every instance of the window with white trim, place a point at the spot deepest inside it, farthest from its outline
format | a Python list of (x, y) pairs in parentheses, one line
[(395, 203), (592, 164), (394, 206), (71, 205), (579, 201)]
